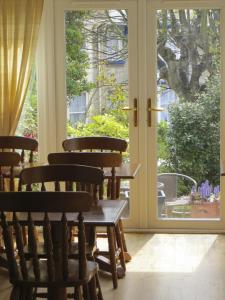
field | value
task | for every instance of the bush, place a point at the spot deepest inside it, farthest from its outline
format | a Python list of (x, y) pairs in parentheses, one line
[(101, 125), (194, 135)]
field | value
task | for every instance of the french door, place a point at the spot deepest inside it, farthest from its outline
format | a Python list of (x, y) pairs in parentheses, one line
[(146, 55), (96, 68), (185, 59)]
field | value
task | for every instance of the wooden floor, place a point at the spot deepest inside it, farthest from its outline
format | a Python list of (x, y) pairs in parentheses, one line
[(166, 267)]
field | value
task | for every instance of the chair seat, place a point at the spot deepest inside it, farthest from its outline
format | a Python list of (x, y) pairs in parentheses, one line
[(72, 279)]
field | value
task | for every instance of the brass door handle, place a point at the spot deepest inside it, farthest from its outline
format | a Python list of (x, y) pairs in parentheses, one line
[(149, 111), (129, 108), (135, 111), (156, 109)]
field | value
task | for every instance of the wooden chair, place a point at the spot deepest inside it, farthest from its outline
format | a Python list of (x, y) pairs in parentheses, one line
[(94, 159), (23, 144), (97, 143), (100, 160), (8, 161), (57, 270), (71, 176), (102, 143)]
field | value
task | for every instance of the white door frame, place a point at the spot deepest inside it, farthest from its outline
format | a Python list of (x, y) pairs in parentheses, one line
[(60, 6)]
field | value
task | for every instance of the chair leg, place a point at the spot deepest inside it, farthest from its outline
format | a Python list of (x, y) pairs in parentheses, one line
[(77, 293), (92, 287), (86, 292), (120, 245), (24, 235), (21, 293), (100, 296), (110, 234), (15, 293)]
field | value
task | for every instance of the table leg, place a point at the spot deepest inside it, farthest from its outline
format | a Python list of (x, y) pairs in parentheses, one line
[(127, 256), (112, 257), (120, 245)]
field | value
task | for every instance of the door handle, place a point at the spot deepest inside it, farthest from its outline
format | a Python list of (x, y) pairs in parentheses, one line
[(135, 111), (149, 111)]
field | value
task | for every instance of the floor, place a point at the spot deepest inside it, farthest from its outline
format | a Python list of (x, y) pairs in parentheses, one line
[(166, 267)]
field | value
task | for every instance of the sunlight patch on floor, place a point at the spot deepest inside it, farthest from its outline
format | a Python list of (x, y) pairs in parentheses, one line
[(171, 253)]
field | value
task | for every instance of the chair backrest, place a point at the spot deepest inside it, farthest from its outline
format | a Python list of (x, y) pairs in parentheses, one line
[(28, 267), (87, 178), (19, 143), (170, 183), (8, 160), (95, 159), (95, 143)]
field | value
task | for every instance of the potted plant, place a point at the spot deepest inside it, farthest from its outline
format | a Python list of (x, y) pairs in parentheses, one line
[(205, 201)]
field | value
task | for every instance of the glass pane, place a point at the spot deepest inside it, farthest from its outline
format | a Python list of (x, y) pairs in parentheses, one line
[(27, 125), (188, 88), (97, 67)]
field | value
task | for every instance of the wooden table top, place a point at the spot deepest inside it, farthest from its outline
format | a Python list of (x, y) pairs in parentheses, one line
[(125, 171), (108, 212)]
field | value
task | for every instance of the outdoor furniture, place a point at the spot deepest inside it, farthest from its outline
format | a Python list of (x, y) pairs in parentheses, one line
[(168, 185), (114, 235), (57, 271)]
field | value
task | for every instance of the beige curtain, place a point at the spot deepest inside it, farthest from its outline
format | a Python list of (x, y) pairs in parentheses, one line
[(19, 24)]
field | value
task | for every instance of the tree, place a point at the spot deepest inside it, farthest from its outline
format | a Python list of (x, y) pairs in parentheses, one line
[(77, 59), (187, 43)]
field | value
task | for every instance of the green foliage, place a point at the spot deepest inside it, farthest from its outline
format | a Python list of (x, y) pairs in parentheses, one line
[(28, 121), (77, 60), (162, 132), (194, 136), (116, 94), (101, 125)]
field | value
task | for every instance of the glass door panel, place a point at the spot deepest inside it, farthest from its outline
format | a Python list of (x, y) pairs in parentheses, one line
[(97, 72), (97, 75), (188, 128)]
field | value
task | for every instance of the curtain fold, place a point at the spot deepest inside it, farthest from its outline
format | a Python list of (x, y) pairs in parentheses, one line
[(19, 25)]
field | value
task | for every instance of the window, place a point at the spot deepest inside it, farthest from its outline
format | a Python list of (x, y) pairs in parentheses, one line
[(115, 44), (77, 109), (28, 123)]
